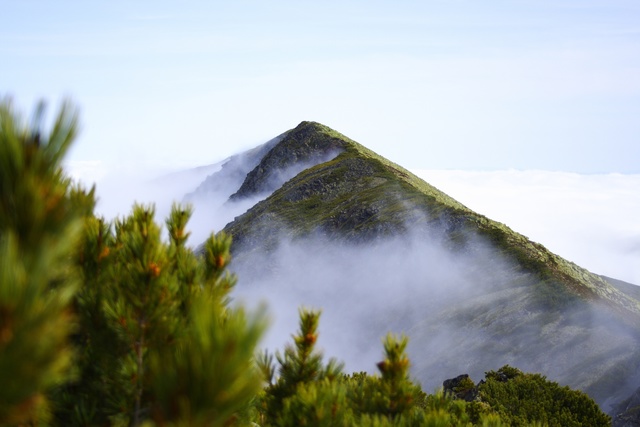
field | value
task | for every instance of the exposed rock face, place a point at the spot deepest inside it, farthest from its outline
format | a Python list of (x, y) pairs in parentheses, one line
[(300, 149), (233, 172), (627, 413), (461, 387)]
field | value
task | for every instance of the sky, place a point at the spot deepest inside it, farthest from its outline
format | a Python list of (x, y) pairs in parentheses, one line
[(526, 111), (547, 85)]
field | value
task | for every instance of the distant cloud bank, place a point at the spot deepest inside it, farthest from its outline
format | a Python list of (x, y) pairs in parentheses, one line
[(591, 220)]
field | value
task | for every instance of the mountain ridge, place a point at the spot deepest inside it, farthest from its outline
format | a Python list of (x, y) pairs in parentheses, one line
[(487, 295), (308, 186)]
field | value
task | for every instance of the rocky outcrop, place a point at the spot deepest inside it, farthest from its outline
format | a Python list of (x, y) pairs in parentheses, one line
[(301, 148), (461, 387), (627, 413), (232, 173)]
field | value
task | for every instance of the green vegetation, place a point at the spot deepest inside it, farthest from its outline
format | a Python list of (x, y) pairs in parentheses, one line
[(521, 399), (108, 324), (39, 225), (307, 392)]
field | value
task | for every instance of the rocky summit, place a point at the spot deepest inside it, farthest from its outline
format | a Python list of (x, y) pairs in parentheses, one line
[(334, 223)]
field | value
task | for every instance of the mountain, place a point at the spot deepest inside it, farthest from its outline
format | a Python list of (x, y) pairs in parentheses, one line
[(333, 224), (232, 172)]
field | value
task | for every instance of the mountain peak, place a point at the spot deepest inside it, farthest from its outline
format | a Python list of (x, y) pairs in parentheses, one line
[(480, 292), (305, 146), (309, 124), (320, 181)]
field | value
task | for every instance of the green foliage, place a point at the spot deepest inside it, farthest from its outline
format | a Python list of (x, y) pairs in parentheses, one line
[(95, 391), (217, 255), (465, 385), (359, 399), (319, 403), (392, 395), (396, 393), (300, 364), (108, 324), (157, 338), (212, 375), (523, 399), (39, 226)]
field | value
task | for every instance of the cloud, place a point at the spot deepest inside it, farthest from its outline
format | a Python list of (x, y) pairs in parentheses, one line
[(86, 171), (588, 219), (466, 310), (363, 290)]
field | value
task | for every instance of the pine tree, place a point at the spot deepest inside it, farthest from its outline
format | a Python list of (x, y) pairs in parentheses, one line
[(391, 395), (133, 314), (209, 378), (95, 392), (300, 364), (144, 305), (522, 399), (39, 227), (158, 338), (110, 324), (304, 396), (399, 394)]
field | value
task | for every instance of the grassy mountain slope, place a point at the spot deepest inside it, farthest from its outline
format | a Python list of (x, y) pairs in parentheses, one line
[(629, 289), (360, 195), (512, 301)]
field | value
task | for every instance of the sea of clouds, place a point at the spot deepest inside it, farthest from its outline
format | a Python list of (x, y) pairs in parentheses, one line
[(591, 220)]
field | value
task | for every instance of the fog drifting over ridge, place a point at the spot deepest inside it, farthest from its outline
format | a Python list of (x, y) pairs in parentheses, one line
[(588, 219), (465, 311), (365, 290)]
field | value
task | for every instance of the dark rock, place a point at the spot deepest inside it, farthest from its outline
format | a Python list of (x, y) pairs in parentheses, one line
[(232, 173), (301, 148), (461, 387), (627, 413)]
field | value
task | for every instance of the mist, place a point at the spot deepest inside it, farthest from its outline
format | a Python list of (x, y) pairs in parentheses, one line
[(590, 220), (209, 189), (363, 290), (466, 310)]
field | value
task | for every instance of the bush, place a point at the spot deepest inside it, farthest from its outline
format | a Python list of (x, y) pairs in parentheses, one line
[(522, 399)]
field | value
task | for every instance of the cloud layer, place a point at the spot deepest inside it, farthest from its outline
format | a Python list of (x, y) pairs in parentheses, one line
[(591, 220)]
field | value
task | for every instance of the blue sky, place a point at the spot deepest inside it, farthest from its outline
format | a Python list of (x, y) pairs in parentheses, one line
[(494, 85), (438, 86)]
